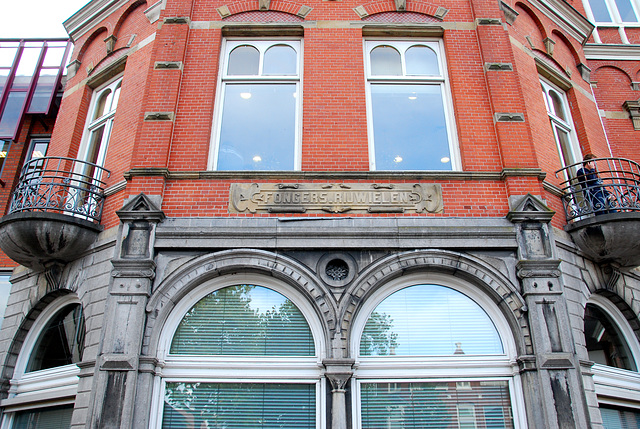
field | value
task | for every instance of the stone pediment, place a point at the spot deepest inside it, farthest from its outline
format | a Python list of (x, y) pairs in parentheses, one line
[(530, 208), (140, 207)]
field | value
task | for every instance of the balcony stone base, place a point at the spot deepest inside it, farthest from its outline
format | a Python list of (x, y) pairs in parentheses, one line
[(37, 239), (611, 238)]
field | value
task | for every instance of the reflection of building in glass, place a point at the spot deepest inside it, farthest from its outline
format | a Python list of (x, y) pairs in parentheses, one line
[(322, 215)]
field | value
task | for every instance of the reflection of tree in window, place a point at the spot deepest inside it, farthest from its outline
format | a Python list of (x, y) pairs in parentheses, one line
[(605, 343), (377, 338), (61, 342)]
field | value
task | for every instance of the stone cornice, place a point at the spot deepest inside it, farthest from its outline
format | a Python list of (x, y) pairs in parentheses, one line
[(612, 52), (566, 17), (90, 15), (335, 175)]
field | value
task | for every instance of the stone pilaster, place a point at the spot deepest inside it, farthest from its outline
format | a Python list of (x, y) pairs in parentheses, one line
[(551, 377), (130, 287), (338, 372)]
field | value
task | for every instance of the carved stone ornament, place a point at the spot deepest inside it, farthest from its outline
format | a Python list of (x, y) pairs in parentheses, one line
[(335, 198)]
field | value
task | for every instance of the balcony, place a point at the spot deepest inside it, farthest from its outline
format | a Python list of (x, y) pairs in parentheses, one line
[(602, 205), (55, 212)]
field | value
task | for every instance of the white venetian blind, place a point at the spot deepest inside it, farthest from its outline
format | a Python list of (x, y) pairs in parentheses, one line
[(422, 405), (44, 418), (239, 405), (429, 320), (243, 320)]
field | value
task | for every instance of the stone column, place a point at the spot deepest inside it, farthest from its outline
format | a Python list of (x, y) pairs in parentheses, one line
[(131, 279), (338, 372), (551, 376)]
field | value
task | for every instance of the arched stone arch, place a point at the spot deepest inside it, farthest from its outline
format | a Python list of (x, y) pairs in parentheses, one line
[(263, 16), (199, 270), (473, 270), (21, 334), (289, 8), (615, 297), (417, 6)]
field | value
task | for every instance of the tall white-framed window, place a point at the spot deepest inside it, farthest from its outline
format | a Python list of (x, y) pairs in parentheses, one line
[(45, 380), (240, 351), (409, 107), (613, 347), (257, 118), (95, 140), (612, 12), (434, 352), (559, 113)]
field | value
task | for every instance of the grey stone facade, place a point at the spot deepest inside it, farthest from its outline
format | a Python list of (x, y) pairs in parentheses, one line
[(132, 278)]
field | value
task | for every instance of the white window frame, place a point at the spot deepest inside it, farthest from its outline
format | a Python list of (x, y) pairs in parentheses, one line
[(402, 45), (44, 388), (558, 123), (239, 369), (262, 45), (458, 368), (616, 386), (616, 19)]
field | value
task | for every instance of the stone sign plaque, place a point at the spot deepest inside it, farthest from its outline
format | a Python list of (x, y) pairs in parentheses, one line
[(335, 198)]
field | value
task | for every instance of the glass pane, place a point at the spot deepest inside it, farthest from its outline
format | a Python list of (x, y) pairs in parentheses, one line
[(421, 60), (7, 54), (258, 127), (5, 288), (4, 151), (54, 56), (116, 98), (405, 405), (626, 11), (600, 11), (44, 91), (409, 128), (244, 320), (12, 114), (605, 343), (427, 320), (385, 61), (619, 418), (44, 418), (61, 342), (564, 143), (103, 101), (240, 405), (558, 108), (280, 60), (38, 150), (244, 60), (26, 67), (4, 75)]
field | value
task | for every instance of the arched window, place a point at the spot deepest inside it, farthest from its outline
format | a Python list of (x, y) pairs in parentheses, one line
[(240, 352), (613, 347), (433, 352), (45, 380)]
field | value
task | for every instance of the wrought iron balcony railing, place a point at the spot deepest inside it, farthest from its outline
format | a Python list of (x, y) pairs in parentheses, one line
[(606, 185), (61, 185)]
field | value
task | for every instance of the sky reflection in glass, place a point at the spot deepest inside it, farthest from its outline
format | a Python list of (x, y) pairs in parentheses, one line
[(409, 127), (258, 127), (428, 320)]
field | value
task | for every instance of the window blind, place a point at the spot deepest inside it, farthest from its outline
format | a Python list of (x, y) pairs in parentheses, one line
[(427, 320), (615, 418), (239, 405), (437, 405), (244, 320), (44, 418)]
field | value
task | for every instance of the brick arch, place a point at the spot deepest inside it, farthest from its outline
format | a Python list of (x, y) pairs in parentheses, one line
[(565, 40), (469, 268), (288, 7), (614, 68), (529, 13), (199, 270), (21, 333), (418, 6), (125, 15), (101, 31)]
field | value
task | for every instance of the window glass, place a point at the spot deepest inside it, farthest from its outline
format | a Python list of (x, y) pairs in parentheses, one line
[(239, 405), (561, 124), (626, 11), (5, 289), (419, 405), (600, 11), (280, 60), (101, 105), (61, 342), (244, 60), (422, 61), (44, 418), (605, 343), (4, 151), (407, 104), (258, 121), (244, 320), (619, 418), (426, 320), (12, 113), (558, 108), (45, 85), (385, 60)]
